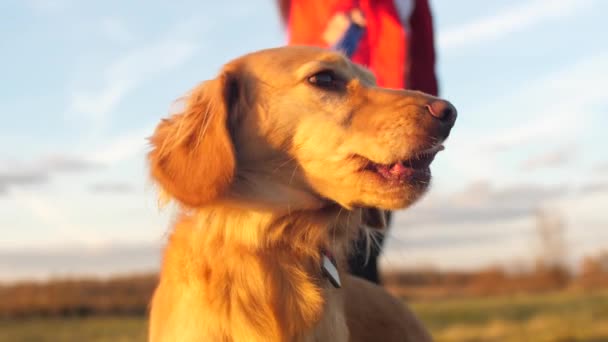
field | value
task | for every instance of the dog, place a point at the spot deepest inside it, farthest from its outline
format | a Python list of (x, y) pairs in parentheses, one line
[(276, 164)]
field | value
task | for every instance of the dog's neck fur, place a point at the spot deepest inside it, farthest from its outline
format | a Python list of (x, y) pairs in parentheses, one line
[(264, 281)]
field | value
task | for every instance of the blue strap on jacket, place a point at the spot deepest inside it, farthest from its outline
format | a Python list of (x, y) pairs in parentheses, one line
[(350, 40)]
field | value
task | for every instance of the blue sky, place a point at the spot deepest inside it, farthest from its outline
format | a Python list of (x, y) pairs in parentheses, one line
[(84, 83)]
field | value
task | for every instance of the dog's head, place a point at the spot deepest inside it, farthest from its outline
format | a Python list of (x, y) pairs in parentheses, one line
[(296, 128)]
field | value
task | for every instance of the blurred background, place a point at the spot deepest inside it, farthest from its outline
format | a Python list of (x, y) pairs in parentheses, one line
[(509, 245)]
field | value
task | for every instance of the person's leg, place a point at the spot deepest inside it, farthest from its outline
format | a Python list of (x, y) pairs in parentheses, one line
[(357, 261)]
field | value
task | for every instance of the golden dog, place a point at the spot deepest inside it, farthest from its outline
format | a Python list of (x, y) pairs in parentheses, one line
[(276, 164)]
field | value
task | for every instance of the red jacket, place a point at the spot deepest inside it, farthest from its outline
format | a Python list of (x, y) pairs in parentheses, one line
[(399, 50)]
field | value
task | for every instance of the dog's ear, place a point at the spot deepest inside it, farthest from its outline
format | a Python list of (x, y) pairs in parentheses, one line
[(192, 155), (375, 218)]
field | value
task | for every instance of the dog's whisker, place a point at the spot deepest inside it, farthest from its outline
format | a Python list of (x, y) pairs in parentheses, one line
[(283, 164), (293, 174)]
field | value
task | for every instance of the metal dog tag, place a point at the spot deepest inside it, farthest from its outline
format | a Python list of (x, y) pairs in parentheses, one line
[(331, 272)]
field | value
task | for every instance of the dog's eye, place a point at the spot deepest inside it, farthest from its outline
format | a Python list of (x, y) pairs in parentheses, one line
[(326, 80)]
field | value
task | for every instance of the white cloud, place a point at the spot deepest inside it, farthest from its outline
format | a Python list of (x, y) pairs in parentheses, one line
[(50, 216), (47, 6), (130, 71), (557, 109), (122, 147), (595, 187), (550, 159), (601, 168), (558, 122), (116, 30), (78, 260), (482, 203), (450, 242), (100, 102), (509, 20), (19, 174), (561, 106), (112, 187)]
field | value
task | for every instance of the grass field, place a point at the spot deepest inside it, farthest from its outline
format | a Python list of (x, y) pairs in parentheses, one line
[(111, 329), (563, 317)]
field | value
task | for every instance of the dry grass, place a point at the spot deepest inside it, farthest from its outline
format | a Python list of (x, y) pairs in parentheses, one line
[(562, 316), (98, 329), (487, 305), (122, 296)]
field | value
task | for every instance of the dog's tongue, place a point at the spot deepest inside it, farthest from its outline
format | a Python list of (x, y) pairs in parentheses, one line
[(394, 171)]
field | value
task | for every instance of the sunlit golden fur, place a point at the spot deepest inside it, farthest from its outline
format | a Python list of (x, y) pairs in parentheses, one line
[(269, 170)]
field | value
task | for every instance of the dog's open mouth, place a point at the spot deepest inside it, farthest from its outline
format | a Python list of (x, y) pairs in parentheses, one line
[(405, 170)]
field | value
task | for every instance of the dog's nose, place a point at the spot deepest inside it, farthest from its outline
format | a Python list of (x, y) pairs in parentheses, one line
[(443, 110)]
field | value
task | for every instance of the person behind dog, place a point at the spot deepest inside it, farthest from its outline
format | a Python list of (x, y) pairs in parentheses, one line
[(396, 42)]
